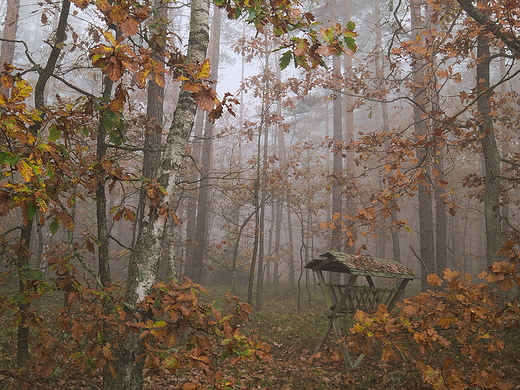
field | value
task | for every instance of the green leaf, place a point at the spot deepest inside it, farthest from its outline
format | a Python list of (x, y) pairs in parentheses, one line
[(110, 119), (54, 134), (351, 25), (42, 287), (277, 31), (50, 171), (117, 137), (54, 226), (9, 159), (31, 210), (351, 43), (91, 362), (285, 59), (33, 273)]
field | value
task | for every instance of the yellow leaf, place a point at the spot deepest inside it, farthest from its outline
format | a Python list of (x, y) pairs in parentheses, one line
[(205, 70), (110, 38), (25, 170), (21, 91)]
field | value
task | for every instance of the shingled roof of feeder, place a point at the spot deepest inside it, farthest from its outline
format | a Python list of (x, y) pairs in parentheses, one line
[(361, 265)]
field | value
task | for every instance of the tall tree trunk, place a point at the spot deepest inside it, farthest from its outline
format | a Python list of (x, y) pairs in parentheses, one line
[(506, 150), (490, 153), (290, 260), (24, 251), (23, 255), (101, 199), (263, 196), (144, 259), (192, 194), (349, 133), (269, 247), (237, 212), (337, 162), (441, 223), (282, 159), (23, 262), (203, 202), (396, 246), (278, 232), (426, 223), (254, 256)]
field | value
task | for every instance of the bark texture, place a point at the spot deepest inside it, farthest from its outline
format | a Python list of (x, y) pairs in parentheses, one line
[(490, 153), (426, 222)]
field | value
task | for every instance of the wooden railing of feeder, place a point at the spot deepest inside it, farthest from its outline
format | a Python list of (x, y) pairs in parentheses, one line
[(346, 299)]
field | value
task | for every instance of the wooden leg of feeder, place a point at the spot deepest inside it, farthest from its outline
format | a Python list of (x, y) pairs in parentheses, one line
[(323, 337), (339, 334)]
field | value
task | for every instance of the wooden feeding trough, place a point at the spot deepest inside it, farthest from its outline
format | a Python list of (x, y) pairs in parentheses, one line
[(346, 299)]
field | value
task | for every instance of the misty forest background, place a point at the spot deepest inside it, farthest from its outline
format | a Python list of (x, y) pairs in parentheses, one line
[(283, 136)]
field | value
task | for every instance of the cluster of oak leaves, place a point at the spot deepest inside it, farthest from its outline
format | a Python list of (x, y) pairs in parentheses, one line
[(459, 335)]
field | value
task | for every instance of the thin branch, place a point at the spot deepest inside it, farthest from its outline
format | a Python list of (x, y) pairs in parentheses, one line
[(510, 162), (71, 86), (26, 50), (11, 230), (120, 243), (509, 224)]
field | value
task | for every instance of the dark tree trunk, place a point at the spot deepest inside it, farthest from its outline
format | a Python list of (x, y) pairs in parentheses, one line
[(101, 199), (490, 153), (441, 223), (337, 162), (426, 222)]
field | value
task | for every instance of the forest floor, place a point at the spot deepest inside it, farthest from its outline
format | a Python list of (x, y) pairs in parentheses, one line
[(291, 331)]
